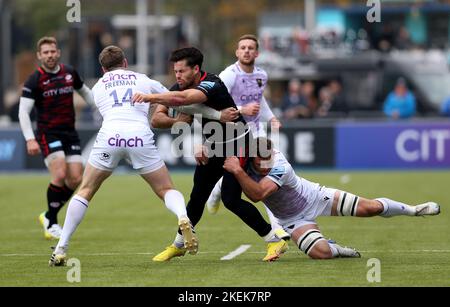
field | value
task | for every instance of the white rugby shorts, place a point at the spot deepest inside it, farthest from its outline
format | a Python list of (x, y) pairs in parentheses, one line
[(321, 206), (137, 147)]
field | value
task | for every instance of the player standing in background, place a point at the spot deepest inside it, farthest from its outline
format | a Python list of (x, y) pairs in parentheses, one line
[(297, 202), (195, 86), (50, 89), (246, 83)]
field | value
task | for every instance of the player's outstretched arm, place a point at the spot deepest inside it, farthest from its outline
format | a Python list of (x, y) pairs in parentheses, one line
[(255, 191), (173, 98), (226, 115)]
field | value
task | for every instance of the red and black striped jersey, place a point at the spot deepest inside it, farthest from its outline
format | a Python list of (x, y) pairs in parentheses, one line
[(53, 96)]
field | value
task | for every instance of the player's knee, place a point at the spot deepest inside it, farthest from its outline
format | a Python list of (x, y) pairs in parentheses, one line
[(313, 244), (73, 181), (321, 251), (59, 175)]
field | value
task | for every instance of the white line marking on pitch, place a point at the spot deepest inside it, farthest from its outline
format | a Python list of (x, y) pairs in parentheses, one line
[(240, 250), (221, 252)]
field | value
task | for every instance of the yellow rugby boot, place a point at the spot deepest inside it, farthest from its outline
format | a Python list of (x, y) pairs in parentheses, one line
[(275, 250)]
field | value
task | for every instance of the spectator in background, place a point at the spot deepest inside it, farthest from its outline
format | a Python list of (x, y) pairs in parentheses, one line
[(400, 103), (338, 103), (331, 101), (308, 89), (294, 104), (325, 102), (403, 40)]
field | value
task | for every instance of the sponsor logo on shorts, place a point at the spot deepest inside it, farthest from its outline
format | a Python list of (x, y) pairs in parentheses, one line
[(104, 156), (55, 204), (117, 141), (55, 144), (76, 147)]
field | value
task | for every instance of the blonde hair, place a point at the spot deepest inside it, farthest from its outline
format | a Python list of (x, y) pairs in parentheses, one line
[(111, 57), (251, 37)]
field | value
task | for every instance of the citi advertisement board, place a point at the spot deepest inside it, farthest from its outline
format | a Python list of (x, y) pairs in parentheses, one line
[(399, 145), (304, 147)]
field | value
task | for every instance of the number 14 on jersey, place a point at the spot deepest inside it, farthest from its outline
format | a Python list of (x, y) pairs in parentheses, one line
[(125, 99)]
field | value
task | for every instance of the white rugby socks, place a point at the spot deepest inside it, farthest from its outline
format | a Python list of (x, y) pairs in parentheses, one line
[(174, 201), (75, 213), (393, 208)]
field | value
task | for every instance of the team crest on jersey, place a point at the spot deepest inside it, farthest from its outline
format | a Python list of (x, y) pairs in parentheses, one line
[(259, 81), (68, 77)]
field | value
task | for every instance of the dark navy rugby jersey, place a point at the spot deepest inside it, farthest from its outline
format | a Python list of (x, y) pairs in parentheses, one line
[(53, 96)]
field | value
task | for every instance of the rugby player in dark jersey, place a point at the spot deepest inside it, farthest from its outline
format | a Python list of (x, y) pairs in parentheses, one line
[(196, 86), (50, 90)]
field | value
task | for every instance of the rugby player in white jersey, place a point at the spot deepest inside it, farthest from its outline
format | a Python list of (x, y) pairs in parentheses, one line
[(246, 83), (125, 134), (297, 202)]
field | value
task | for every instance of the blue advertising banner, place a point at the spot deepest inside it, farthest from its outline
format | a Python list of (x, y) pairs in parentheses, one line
[(399, 145), (12, 150)]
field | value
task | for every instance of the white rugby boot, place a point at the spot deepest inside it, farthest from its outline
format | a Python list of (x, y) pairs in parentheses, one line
[(52, 232), (429, 208)]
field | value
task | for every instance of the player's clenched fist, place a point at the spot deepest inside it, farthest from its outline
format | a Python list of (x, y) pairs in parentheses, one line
[(232, 165), (229, 114)]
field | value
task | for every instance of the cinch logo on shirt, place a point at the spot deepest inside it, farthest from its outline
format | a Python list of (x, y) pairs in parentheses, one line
[(113, 77), (248, 98), (121, 142)]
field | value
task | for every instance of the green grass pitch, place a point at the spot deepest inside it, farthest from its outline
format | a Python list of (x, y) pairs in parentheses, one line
[(126, 225)]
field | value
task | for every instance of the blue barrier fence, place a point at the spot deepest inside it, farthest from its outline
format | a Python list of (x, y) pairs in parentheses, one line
[(333, 145)]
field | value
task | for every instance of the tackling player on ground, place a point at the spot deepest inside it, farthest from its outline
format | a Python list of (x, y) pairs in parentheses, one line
[(297, 202)]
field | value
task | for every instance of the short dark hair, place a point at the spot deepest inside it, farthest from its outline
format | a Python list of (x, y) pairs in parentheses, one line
[(46, 40), (250, 37), (111, 57), (192, 55), (264, 147)]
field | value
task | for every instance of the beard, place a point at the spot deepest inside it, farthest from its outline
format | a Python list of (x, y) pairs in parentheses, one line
[(50, 65), (186, 84)]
